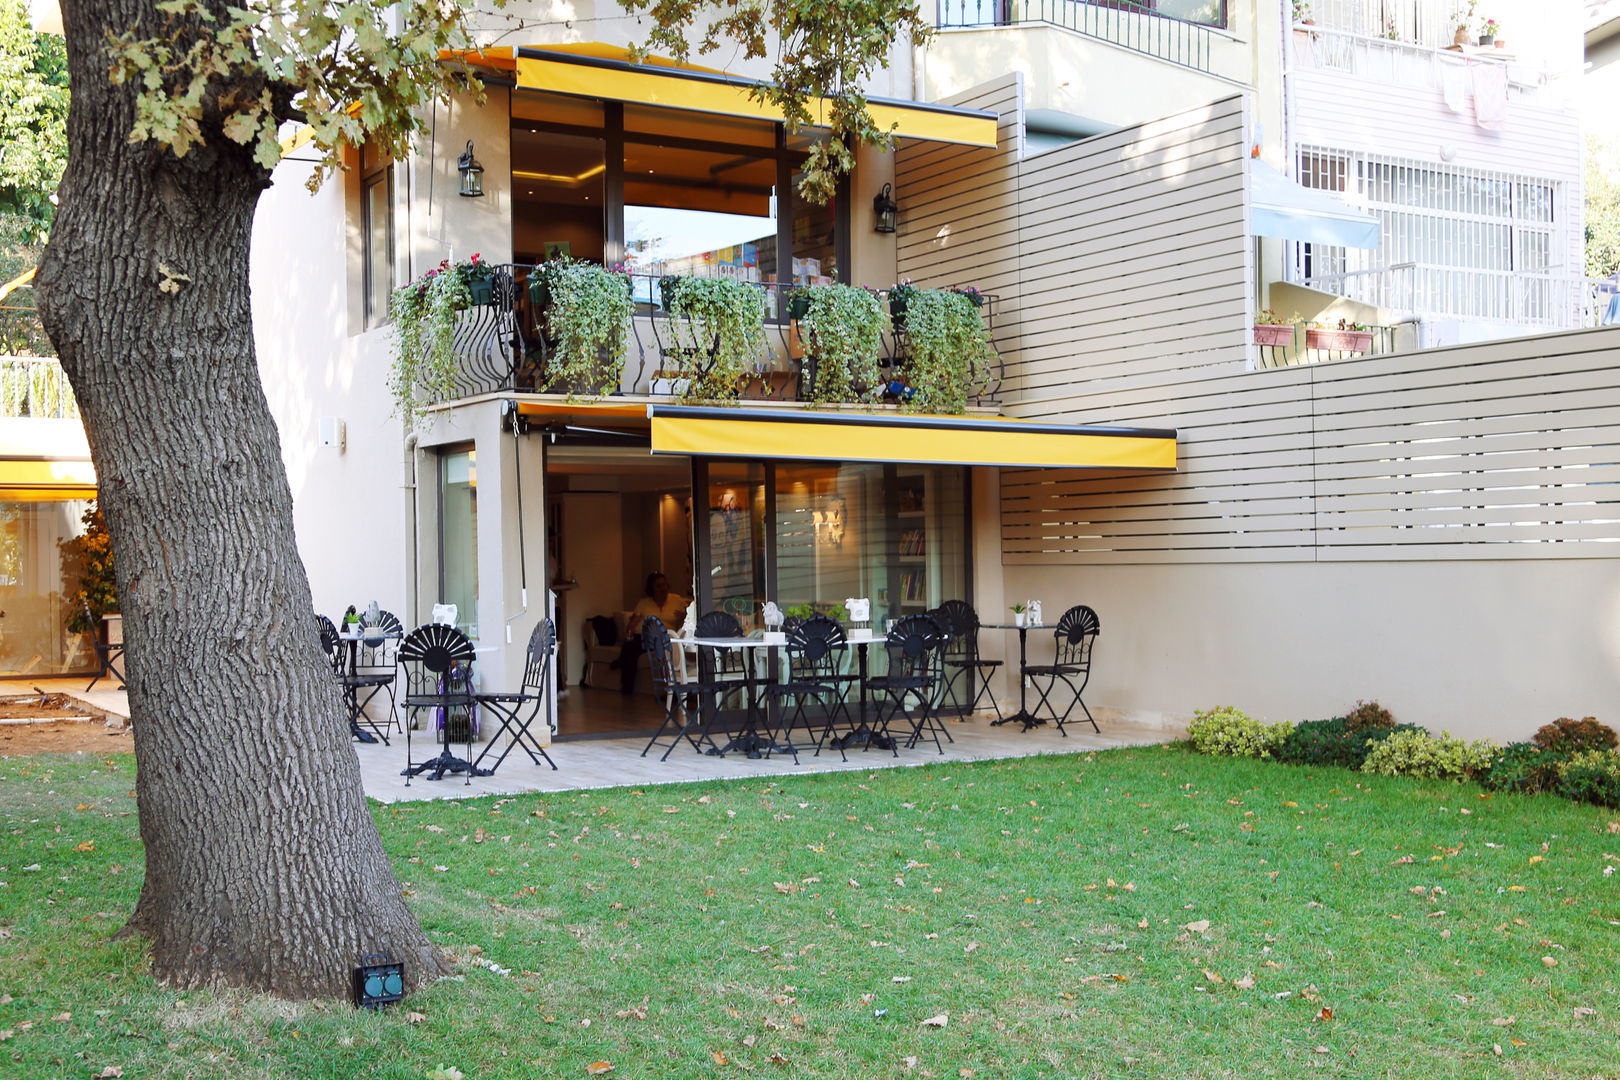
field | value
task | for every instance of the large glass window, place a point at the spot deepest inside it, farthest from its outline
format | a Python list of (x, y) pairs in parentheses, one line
[(458, 537), (557, 190), (703, 213), (736, 526), (38, 577), (895, 534)]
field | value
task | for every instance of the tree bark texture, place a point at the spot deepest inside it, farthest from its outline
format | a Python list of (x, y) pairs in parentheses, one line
[(264, 868)]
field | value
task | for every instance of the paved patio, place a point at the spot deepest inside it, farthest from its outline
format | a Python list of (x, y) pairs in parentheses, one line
[(616, 762)]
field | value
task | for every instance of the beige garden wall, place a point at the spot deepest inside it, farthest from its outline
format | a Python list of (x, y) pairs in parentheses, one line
[(1480, 648)]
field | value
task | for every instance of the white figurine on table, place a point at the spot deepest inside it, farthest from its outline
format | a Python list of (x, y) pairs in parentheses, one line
[(771, 616), (1034, 609), (859, 608)]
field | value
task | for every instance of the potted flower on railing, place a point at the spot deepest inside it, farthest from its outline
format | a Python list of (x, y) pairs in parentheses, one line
[(719, 323), (1488, 32), (900, 296), (584, 311), (1347, 337), (947, 349), (841, 327), (480, 278), (1272, 329), (424, 318)]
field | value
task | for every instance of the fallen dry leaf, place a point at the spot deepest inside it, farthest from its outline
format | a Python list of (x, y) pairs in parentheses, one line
[(909, 1062), (111, 1072), (1550, 961), (1504, 1021), (1518, 1042), (597, 1068), (937, 1021), (414, 1018), (1199, 927), (776, 1058), (1325, 1013), (1582, 1010), (720, 1058), (1213, 977), (1245, 983), (1496, 1048), (62, 1018), (750, 1040)]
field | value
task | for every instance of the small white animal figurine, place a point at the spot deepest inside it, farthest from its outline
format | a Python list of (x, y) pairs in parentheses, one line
[(689, 624), (772, 616), (1034, 609), (859, 608)]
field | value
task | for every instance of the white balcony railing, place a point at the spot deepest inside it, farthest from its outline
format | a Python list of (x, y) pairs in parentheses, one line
[(1552, 301), (1400, 63)]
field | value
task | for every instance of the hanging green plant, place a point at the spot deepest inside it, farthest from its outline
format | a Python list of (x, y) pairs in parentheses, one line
[(424, 316), (948, 350), (842, 329), (720, 322), (587, 316)]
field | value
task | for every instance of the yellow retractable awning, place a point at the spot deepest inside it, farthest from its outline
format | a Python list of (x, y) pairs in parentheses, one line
[(953, 440), (598, 73), (39, 481)]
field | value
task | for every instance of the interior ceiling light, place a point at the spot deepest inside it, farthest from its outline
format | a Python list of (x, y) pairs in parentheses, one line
[(559, 178)]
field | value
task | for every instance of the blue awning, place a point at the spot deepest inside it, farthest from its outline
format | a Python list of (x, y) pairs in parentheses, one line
[(1279, 207)]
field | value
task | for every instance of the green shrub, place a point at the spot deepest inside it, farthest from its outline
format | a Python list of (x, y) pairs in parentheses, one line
[(1328, 742), (1415, 752), (1369, 716), (1592, 776), (1524, 768), (1228, 732), (1566, 736)]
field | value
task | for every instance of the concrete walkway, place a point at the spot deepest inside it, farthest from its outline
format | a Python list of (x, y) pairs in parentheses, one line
[(617, 762), (106, 696)]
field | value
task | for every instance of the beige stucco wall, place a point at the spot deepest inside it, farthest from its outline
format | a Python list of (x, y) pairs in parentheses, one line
[(1483, 649), (1076, 74)]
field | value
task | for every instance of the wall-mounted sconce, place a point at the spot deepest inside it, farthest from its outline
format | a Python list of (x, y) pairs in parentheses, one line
[(884, 211), (472, 173)]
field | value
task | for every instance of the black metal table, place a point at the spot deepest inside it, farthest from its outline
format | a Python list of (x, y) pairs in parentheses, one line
[(863, 735), (1023, 715), (749, 740)]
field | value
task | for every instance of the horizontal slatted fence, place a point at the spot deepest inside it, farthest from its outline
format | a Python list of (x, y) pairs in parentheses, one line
[(1500, 450)]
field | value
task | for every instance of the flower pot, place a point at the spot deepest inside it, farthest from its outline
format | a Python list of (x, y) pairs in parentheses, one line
[(1276, 334), (798, 305), (1461, 37), (482, 291), (1486, 39), (1358, 341), (539, 291), (1019, 617), (897, 311)]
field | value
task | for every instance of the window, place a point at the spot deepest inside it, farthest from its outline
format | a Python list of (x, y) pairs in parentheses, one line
[(1463, 242), (377, 227), (458, 537), (667, 191)]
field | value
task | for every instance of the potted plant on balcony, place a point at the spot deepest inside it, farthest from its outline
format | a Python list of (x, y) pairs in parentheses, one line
[(720, 324), (586, 316), (480, 278), (947, 350), (1346, 337), (899, 296), (424, 318), (842, 331), (1272, 329), (1488, 32)]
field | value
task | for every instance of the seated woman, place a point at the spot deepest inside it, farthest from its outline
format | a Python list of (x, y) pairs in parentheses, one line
[(658, 602)]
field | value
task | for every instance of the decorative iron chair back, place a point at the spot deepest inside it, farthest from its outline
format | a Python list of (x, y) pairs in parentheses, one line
[(656, 644), (1076, 632), (437, 658), (815, 648), (377, 649), (537, 661), (713, 663), (961, 625), (916, 648), (330, 644), (719, 624)]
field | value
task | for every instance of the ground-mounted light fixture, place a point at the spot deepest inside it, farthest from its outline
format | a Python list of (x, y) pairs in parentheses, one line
[(378, 981), (472, 173), (884, 211)]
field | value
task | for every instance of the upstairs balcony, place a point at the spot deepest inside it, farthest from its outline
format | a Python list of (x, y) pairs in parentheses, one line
[(501, 347), (35, 387), (1153, 29)]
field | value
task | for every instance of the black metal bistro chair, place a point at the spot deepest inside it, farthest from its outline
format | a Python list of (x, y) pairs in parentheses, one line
[(962, 660), (815, 659), (337, 656), (1075, 634), (438, 663), (916, 648), (684, 718), (817, 649), (518, 712), (109, 654), (728, 666), (370, 668)]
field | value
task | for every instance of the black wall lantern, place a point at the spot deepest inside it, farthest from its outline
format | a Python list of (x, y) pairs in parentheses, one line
[(379, 980), (884, 212), (472, 173)]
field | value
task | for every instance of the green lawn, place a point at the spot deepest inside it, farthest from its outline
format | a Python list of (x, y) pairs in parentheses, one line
[(1133, 913)]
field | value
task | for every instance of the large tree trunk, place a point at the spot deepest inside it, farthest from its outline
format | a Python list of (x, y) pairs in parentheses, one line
[(264, 868)]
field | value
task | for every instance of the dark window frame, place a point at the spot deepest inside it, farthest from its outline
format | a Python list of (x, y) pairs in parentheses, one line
[(383, 174)]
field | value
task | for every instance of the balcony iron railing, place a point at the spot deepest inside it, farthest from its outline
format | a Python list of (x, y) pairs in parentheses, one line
[(1119, 22), (500, 348)]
